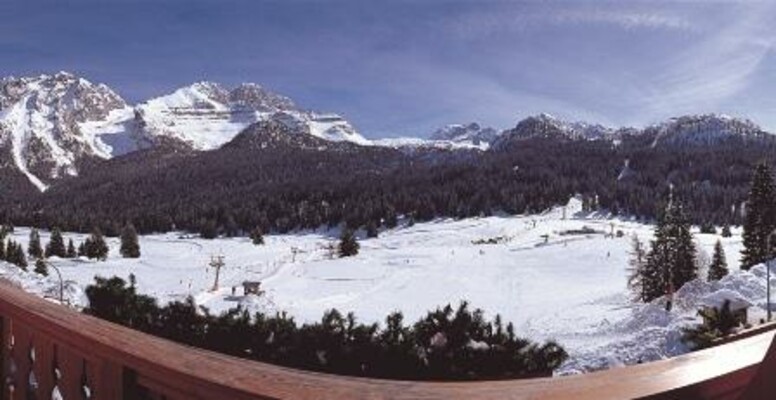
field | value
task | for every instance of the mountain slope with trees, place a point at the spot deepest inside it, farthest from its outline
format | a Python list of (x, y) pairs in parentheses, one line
[(278, 179)]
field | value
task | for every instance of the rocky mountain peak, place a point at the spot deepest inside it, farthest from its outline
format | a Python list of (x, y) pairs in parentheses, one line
[(44, 122), (257, 98), (704, 129), (465, 133)]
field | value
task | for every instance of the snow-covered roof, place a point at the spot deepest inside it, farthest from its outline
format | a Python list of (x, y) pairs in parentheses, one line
[(717, 299)]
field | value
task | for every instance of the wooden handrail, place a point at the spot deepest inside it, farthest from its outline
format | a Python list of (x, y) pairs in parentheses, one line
[(116, 362)]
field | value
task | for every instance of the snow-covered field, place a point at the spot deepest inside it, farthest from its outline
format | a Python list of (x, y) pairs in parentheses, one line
[(571, 288)]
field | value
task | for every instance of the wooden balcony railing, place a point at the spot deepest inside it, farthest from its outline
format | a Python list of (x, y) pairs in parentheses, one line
[(47, 348)]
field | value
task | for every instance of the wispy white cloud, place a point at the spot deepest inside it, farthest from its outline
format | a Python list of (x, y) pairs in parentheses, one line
[(625, 19), (718, 68), (484, 23)]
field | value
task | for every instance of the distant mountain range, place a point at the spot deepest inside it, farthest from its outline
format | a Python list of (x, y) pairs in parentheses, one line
[(52, 126)]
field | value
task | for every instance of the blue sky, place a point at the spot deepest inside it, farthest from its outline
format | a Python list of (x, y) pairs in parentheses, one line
[(397, 68)]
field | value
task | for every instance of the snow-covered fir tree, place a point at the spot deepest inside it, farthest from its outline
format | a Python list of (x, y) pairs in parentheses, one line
[(671, 258), (760, 218)]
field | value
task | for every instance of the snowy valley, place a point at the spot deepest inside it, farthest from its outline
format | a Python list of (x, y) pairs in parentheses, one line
[(557, 275)]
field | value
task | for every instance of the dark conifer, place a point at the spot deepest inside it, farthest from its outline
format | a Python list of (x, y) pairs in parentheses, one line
[(15, 254), (760, 218), (41, 267), (718, 268), (348, 245), (257, 236), (34, 248), (726, 231), (671, 261), (636, 266), (56, 246), (130, 245), (685, 268), (71, 251), (95, 246)]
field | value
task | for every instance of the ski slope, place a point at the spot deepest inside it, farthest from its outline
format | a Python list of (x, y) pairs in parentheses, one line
[(570, 288)]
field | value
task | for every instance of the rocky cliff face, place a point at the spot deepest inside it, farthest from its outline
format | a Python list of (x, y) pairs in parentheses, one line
[(49, 124), (471, 133)]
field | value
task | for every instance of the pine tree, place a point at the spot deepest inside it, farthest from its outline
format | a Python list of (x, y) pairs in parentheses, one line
[(21, 258), (82, 247), (95, 246), (726, 231), (257, 236), (671, 260), (348, 245), (130, 246), (718, 268), (15, 254), (685, 268), (71, 251), (2, 250), (56, 246), (637, 263), (41, 267), (34, 249), (760, 218)]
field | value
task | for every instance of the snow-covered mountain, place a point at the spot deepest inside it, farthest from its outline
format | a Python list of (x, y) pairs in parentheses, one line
[(205, 115), (465, 133), (448, 138), (690, 130), (547, 126), (706, 129), (50, 123)]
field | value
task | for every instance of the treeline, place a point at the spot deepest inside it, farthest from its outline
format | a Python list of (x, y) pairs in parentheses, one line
[(446, 344), (93, 247), (261, 181)]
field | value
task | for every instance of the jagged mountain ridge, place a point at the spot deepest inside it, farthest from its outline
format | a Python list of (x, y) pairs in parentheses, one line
[(472, 133), (50, 124), (206, 115), (46, 121), (688, 130), (706, 129), (548, 127)]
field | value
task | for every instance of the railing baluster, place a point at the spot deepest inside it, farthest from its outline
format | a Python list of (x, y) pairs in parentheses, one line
[(105, 379), (44, 352), (5, 347), (20, 353), (70, 364)]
